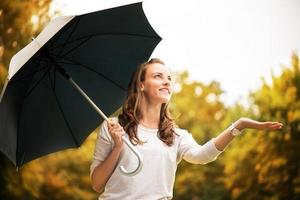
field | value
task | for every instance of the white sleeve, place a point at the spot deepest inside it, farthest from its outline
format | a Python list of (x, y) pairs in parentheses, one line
[(194, 153), (103, 146)]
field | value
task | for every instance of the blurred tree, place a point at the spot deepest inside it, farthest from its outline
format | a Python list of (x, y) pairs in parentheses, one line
[(198, 108), (267, 164), (62, 175), (19, 21)]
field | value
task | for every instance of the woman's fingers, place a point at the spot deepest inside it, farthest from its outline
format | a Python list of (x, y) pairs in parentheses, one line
[(272, 125), (276, 126), (115, 129), (113, 125)]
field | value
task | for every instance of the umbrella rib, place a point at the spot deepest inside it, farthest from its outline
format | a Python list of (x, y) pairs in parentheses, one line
[(65, 119), (107, 34), (90, 69), (67, 26), (72, 31), (30, 74), (52, 81), (19, 162), (81, 43), (22, 157), (36, 84)]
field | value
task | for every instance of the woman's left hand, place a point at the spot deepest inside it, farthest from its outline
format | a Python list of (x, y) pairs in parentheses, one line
[(244, 123)]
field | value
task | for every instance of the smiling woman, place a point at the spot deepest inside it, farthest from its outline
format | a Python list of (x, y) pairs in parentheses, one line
[(147, 122), (157, 81), (149, 91)]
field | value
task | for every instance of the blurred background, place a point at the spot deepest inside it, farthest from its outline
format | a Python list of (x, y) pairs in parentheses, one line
[(231, 60)]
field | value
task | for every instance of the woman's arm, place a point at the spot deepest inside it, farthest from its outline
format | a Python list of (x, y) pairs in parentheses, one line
[(104, 170), (226, 137)]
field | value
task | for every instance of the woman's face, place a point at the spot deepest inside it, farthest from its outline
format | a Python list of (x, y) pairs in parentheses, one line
[(157, 86)]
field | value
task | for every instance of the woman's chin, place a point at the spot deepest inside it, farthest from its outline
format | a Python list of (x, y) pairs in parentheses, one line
[(161, 99), (165, 100)]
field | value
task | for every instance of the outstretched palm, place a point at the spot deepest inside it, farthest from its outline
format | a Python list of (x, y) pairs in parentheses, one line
[(253, 124)]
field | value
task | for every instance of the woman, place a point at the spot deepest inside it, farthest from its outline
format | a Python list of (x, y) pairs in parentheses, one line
[(147, 123)]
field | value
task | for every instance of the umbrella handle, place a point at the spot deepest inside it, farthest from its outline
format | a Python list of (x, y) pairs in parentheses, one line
[(131, 147), (138, 155)]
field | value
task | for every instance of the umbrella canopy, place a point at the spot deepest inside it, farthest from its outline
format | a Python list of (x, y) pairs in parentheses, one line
[(40, 111)]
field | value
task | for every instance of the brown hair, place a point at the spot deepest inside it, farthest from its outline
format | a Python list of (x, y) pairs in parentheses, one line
[(131, 114)]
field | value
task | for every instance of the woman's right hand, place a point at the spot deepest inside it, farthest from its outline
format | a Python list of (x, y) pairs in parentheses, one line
[(103, 171), (116, 131)]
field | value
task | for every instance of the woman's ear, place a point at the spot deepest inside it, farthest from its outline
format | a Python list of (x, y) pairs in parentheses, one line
[(142, 87)]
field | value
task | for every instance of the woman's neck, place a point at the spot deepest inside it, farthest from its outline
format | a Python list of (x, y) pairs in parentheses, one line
[(151, 115)]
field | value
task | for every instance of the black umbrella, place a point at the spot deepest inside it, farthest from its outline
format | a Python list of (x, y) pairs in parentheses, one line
[(40, 111)]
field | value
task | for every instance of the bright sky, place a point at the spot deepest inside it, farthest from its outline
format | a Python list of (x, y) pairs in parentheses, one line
[(235, 42)]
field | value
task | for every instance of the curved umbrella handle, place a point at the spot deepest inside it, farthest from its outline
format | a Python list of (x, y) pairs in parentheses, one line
[(127, 142), (138, 155)]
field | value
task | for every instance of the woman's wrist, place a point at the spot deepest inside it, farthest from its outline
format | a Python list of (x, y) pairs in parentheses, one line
[(239, 124), (118, 149)]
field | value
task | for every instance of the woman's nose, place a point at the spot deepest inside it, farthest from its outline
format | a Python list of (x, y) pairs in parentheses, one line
[(167, 82)]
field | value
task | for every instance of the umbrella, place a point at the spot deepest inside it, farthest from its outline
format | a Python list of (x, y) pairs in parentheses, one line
[(45, 105)]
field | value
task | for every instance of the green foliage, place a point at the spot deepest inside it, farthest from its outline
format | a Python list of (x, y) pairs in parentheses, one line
[(266, 164), (62, 175), (3, 74), (197, 107), (259, 164), (16, 25)]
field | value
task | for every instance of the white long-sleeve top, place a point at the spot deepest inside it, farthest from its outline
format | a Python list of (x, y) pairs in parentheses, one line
[(156, 179)]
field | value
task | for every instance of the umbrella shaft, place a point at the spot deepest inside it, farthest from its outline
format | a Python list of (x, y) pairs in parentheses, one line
[(68, 77), (88, 99)]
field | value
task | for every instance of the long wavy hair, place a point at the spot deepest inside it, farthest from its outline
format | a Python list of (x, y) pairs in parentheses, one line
[(131, 112)]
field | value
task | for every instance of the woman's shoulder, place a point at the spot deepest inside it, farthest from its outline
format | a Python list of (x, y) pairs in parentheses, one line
[(181, 132), (182, 136)]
